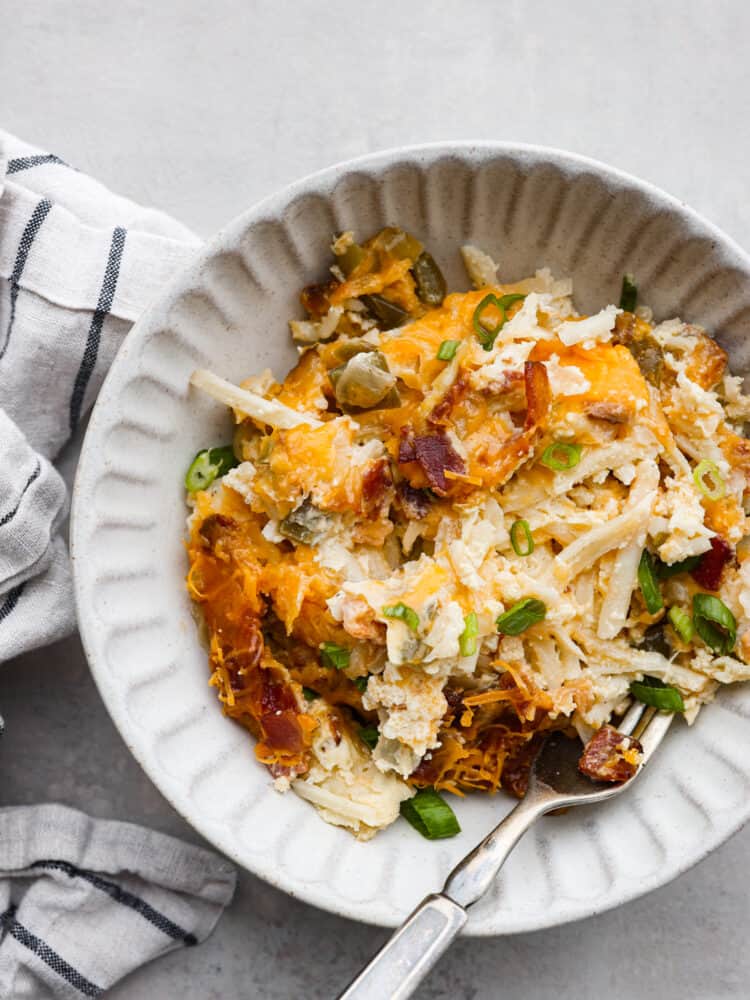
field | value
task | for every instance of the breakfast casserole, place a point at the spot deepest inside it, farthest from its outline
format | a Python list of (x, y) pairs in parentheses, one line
[(463, 520)]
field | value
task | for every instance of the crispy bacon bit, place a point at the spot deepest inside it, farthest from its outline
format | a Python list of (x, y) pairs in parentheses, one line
[(612, 413), (517, 767), (610, 756), (509, 387), (376, 487), (414, 503), (434, 453), (276, 697), (707, 362), (316, 298), (282, 731), (538, 395), (213, 527), (441, 412), (708, 572)]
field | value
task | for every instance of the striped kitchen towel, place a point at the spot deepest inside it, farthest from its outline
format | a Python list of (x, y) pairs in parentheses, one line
[(78, 265), (83, 902)]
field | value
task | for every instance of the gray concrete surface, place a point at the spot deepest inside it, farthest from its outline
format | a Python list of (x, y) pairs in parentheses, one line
[(202, 108)]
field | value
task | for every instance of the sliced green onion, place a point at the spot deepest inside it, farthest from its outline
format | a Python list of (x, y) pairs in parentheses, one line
[(447, 350), (487, 334), (309, 694), (333, 655), (709, 480), (561, 456), (682, 623), (649, 584), (369, 735), (360, 683), (521, 616), (467, 641), (208, 465), (522, 546), (714, 623), (652, 691), (629, 293), (407, 615), (665, 570), (431, 815)]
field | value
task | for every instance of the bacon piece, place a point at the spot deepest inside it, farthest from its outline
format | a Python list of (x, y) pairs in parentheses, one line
[(612, 413), (707, 362), (214, 527), (708, 572), (509, 388), (282, 731), (414, 503), (316, 299), (610, 756), (434, 454), (538, 395), (517, 766), (442, 410), (376, 487)]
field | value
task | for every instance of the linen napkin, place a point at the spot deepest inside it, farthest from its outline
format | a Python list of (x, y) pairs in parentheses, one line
[(82, 901), (77, 266)]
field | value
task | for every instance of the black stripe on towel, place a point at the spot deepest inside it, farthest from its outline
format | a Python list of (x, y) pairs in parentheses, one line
[(120, 895), (48, 956), (32, 478), (28, 236), (20, 163), (11, 601), (91, 351)]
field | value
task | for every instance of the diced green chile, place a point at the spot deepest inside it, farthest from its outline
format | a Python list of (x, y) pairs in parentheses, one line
[(429, 279), (349, 259), (305, 524), (650, 358), (388, 314), (208, 465), (364, 381)]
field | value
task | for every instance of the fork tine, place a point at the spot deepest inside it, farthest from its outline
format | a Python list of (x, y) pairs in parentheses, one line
[(651, 731), (631, 718)]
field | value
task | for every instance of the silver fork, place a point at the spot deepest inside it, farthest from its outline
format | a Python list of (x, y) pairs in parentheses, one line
[(555, 782)]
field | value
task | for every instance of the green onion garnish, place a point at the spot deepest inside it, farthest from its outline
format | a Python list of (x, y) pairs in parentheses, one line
[(682, 623), (447, 350), (714, 623), (652, 691), (665, 570), (309, 694), (431, 815), (709, 480), (208, 465), (467, 641), (407, 615), (360, 683), (369, 735), (649, 584), (521, 538), (521, 616), (487, 334), (333, 655), (629, 293), (561, 456)]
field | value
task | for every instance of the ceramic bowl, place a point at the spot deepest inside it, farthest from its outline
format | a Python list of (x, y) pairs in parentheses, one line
[(529, 207)]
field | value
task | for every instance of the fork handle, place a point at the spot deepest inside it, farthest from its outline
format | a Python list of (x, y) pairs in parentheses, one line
[(401, 965)]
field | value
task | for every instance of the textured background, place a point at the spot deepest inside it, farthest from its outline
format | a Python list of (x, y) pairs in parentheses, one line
[(203, 108)]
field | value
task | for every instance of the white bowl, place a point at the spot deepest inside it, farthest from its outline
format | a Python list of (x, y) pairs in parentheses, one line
[(529, 207)]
